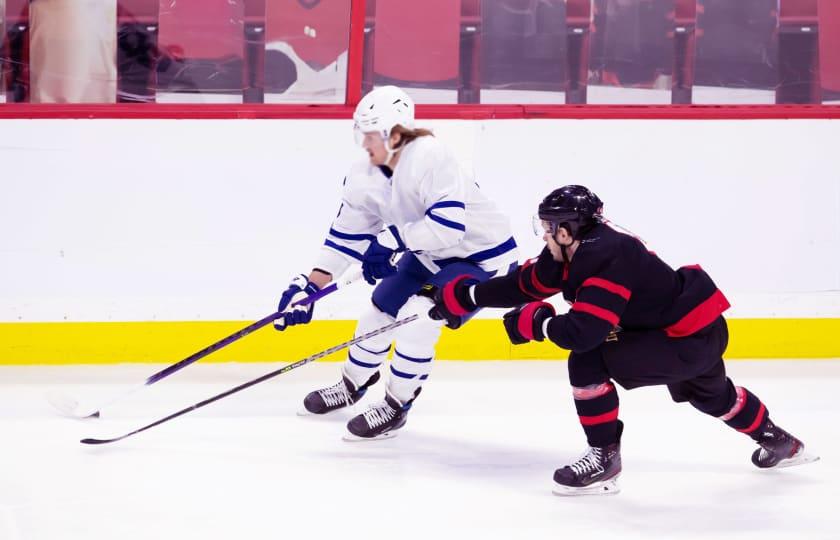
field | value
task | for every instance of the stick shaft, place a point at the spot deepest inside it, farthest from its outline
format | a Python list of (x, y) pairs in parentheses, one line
[(258, 380)]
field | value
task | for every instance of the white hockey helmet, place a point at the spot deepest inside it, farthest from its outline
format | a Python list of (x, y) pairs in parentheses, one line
[(382, 109)]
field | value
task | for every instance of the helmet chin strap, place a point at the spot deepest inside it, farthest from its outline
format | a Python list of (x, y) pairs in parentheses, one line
[(391, 151)]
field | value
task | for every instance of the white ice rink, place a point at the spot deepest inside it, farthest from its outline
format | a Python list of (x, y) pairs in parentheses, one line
[(474, 461)]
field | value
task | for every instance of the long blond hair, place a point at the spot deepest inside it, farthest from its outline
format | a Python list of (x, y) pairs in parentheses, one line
[(408, 135)]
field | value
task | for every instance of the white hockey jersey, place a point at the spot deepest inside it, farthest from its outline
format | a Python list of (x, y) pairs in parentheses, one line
[(440, 213)]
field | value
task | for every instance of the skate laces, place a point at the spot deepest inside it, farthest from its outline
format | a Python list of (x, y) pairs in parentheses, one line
[(378, 414), (590, 462), (336, 394)]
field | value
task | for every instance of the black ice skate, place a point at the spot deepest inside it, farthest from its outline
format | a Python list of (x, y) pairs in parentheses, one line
[(380, 421), (596, 473), (779, 448), (337, 396)]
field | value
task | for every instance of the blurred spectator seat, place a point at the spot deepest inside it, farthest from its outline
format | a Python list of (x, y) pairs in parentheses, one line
[(523, 47), (202, 49), (685, 41), (16, 51), (799, 77), (829, 11), (416, 44), (579, 16), (306, 49), (737, 51), (632, 51), (73, 56), (137, 53)]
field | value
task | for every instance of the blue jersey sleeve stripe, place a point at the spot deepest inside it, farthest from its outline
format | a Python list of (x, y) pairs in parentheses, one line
[(346, 250), (504, 247), (446, 204), (352, 237), (446, 223), (480, 256)]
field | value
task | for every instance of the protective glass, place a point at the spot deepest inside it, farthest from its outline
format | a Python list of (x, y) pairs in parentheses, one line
[(542, 226)]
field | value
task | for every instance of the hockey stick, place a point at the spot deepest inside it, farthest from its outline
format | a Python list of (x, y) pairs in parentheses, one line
[(68, 406), (258, 380)]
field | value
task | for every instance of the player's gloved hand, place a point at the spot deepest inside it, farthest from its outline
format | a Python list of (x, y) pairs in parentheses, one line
[(298, 289), (378, 260), (452, 301), (525, 323)]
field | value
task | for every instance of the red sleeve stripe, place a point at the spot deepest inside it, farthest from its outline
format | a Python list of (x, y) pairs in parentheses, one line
[(599, 312), (608, 285), (540, 287), (520, 282), (611, 416), (757, 422), (700, 317)]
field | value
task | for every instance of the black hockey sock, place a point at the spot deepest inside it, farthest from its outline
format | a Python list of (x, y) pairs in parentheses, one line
[(747, 414), (597, 408)]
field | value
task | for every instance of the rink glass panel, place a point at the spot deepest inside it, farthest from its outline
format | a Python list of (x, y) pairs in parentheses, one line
[(654, 52)]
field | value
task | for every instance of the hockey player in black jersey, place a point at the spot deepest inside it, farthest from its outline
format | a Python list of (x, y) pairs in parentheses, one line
[(633, 320)]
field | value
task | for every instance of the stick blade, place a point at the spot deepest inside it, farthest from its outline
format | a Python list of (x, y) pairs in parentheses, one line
[(68, 406), (99, 441), (62, 403)]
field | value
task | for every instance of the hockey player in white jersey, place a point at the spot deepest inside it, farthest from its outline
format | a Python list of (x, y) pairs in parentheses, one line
[(409, 198)]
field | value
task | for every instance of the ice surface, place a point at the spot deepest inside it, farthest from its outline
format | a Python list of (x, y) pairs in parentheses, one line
[(474, 461)]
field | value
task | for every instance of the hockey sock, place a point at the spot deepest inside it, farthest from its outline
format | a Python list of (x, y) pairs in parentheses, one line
[(597, 408), (747, 414)]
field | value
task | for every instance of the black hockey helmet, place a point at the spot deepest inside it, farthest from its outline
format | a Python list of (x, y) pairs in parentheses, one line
[(573, 207)]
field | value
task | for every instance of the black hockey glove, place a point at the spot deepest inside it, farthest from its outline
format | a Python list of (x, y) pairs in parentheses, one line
[(452, 301), (524, 323)]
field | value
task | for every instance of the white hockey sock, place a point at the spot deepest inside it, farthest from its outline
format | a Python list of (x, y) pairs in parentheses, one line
[(364, 358), (415, 349)]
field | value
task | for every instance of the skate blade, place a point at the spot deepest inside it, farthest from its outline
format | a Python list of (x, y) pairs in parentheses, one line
[(799, 459), (349, 437), (607, 487)]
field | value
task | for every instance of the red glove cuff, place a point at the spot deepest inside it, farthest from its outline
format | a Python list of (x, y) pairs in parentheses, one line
[(525, 324), (450, 299)]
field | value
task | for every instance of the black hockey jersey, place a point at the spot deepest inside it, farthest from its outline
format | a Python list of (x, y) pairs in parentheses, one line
[(612, 281)]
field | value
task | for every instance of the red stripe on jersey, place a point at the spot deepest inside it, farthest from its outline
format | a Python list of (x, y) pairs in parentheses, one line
[(540, 287), (611, 416), (519, 281), (608, 285), (599, 312), (699, 317), (757, 422)]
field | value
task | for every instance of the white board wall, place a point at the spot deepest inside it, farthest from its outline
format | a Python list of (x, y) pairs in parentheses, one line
[(124, 220)]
